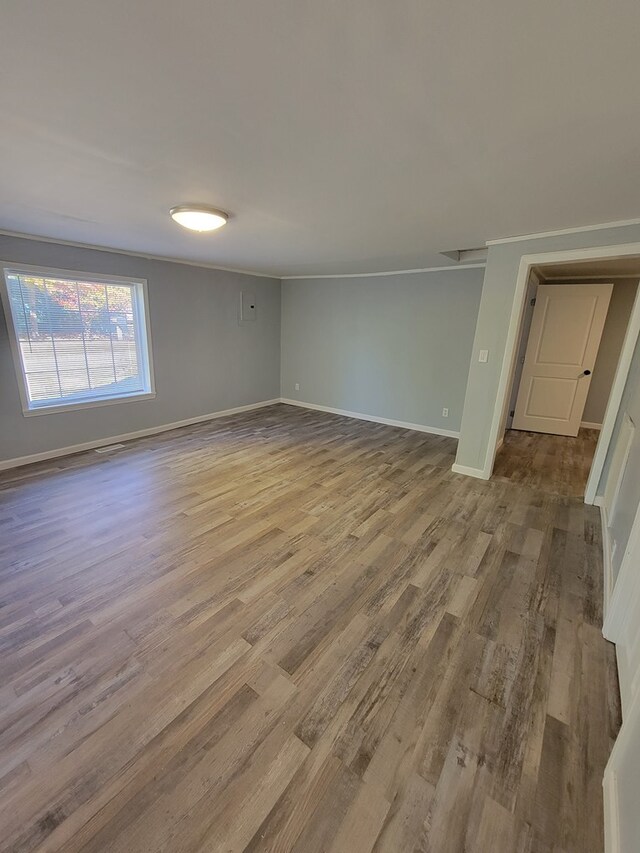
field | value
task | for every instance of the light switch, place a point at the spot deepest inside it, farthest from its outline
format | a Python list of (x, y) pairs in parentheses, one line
[(484, 356)]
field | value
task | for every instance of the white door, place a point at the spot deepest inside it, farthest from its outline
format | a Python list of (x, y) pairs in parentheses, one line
[(618, 466), (563, 344), (615, 484), (622, 774), (621, 785), (622, 622)]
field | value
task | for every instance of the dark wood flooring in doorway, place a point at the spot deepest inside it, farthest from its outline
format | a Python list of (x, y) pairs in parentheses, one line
[(557, 464), (291, 631)]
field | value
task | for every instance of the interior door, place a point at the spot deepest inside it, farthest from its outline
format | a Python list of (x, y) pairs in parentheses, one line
[(622, 622), (563, 344), (622, 775), (621, 784), (615, 512)]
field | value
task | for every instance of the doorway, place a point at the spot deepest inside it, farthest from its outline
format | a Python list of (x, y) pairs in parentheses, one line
[(558, 465), (573, 328)]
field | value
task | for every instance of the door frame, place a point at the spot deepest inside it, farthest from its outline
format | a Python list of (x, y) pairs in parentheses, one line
[(630, 719), (619, 610), (511, 348)]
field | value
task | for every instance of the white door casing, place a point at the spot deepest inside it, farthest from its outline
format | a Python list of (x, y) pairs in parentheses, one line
[(563, 344), (622, 622), (620, 452), (622, 774), (619, 458), (621, 782)]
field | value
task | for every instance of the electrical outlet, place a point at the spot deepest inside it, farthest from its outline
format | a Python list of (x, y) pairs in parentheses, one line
[(297, 386), (445, 413), (484, 356)]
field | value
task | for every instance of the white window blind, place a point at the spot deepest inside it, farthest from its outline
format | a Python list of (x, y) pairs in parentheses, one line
[(78, 341)]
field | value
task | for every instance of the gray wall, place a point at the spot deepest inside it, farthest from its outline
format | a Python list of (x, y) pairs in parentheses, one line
[(204, 360), (394, 346), (503, 262)]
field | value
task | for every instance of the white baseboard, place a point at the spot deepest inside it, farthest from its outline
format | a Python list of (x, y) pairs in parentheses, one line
[(128, 436), (478, 473), (371, 418), (589, 425)]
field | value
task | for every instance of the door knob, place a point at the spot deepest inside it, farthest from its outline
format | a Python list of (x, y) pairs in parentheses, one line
[(586, 373)]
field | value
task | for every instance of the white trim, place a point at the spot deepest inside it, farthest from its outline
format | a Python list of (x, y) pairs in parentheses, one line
[(629, 729), (128, 436), (149, 257), (621, 223), (390, 272), (606, 559), (74, 406), (478, 473), (72, 275), (511, 345), (589, 425), (580, 278), (624, 442), (133, 397), (593, 253), (621, 594), (140, 297), (372, 418), (204, 265), (615, 399), (611, 811), (508, 364)]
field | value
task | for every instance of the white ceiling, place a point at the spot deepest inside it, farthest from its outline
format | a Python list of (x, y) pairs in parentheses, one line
[(343, 135)]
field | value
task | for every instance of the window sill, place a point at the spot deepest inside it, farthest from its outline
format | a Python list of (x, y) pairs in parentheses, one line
[(89, 404)]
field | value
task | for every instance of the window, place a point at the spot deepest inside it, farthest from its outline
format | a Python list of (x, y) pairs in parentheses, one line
[(78, 340)]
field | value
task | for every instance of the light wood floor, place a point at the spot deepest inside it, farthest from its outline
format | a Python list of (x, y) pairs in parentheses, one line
[(551, 463), (293, 631)]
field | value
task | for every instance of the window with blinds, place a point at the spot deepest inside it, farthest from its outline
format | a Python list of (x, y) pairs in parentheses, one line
[(77, 340)]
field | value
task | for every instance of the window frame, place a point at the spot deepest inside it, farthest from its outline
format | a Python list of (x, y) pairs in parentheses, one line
[(143, 334)]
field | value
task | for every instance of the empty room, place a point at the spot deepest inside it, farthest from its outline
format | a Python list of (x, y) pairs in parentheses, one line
[(319, 427)]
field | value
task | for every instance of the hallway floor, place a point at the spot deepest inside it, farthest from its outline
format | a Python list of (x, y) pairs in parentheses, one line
[(556, 464)]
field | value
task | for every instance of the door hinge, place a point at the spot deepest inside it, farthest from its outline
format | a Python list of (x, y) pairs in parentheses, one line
[(533, 301), (512, 413)]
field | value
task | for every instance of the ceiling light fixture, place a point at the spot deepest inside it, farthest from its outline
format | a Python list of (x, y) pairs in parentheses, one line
[(199, 217)]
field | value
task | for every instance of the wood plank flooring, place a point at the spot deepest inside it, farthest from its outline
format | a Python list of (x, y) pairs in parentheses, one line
[(551, 463), (291, 631)]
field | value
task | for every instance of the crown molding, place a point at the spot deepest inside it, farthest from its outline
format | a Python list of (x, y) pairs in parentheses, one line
[(203, 265), (568, 278), (541, 234), (146, 255), (450, 268)]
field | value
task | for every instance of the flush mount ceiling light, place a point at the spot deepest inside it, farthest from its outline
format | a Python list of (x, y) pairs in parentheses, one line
[(199, 217)]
